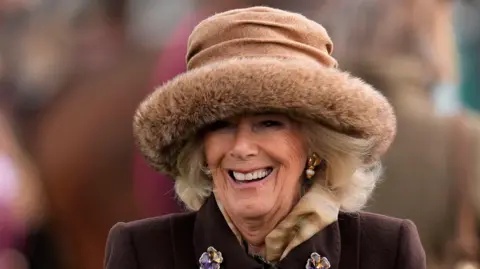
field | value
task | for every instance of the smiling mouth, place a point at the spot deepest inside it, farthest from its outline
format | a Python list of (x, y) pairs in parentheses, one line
[(249, 177)]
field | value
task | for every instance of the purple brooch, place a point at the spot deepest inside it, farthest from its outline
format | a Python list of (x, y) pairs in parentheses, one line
[(317, 262), (211, 259)]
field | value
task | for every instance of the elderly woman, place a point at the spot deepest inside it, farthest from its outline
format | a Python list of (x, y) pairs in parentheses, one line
[(273, 149)]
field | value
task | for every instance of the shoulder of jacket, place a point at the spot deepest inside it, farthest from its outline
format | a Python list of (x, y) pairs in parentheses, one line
[(139, 241), (372, 225), (163, 222), (378, 238), (153, 228)]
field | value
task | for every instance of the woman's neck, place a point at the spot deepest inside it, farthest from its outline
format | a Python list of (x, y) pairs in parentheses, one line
[(255, 250), (255, 230)]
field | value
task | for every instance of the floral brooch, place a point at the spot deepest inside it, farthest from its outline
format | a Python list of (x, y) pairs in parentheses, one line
[(211, 259), (317, 262)]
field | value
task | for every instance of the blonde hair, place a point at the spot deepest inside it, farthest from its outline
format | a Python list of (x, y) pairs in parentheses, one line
[(345, 174)]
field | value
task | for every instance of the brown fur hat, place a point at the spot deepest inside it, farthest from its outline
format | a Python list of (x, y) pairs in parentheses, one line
[(252, 60)]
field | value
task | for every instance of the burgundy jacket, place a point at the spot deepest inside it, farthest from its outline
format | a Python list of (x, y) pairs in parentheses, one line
[(358, 240)]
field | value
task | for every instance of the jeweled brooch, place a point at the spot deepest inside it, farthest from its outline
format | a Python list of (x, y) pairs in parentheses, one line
[(211, 259), (317, 262)]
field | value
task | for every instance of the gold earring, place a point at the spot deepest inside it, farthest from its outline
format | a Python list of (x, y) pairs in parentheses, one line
[(313, 161)]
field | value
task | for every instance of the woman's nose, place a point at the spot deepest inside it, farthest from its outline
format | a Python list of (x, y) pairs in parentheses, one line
[(244, 145)]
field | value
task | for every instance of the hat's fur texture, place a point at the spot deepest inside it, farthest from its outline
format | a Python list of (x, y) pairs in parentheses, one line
[(268, 82)]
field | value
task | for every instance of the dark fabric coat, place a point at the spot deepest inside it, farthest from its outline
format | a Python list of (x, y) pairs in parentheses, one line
[(359, 240)]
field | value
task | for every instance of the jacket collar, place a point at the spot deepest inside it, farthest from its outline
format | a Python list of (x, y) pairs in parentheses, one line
[(211, 229)]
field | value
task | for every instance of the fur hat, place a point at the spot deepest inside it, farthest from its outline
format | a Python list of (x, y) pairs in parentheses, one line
[(258, 59)]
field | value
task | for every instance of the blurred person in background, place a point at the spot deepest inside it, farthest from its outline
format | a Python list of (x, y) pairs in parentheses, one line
[(467, 23), (75, 78), (20, 199), (406, 49)]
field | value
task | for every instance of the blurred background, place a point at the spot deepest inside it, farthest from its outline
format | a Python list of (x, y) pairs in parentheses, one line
[(72, 73)]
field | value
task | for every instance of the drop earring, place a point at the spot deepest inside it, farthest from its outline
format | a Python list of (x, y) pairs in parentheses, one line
[(313, 161)]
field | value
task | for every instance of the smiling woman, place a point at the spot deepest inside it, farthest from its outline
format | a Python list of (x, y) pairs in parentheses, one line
[(255, 166), (343, 153), (273, 149)]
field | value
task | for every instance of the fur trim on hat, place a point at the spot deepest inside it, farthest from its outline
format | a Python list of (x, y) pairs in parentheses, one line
[(176, 111)]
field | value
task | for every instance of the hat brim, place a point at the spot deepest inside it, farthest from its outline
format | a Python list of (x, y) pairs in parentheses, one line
[(177, 110)]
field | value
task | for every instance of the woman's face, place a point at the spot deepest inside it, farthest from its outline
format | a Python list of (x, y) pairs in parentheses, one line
[(257, 163)]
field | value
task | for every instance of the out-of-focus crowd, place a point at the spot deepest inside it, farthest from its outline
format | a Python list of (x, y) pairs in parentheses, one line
[(73, 72)]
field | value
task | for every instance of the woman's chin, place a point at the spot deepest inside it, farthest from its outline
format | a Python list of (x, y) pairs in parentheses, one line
[(253, 207)]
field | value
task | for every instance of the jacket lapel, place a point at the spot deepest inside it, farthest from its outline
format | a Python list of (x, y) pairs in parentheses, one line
[(350, 229), (211, 229), (326, 243)]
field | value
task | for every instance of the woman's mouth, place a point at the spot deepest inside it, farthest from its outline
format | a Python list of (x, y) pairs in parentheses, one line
[(253, 176)]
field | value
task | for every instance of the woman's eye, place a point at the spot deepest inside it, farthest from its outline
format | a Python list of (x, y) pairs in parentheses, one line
[(219, 125), (271, 123)]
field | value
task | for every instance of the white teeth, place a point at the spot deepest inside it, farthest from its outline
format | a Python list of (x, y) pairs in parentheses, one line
[(252, 175), (239, 176)]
